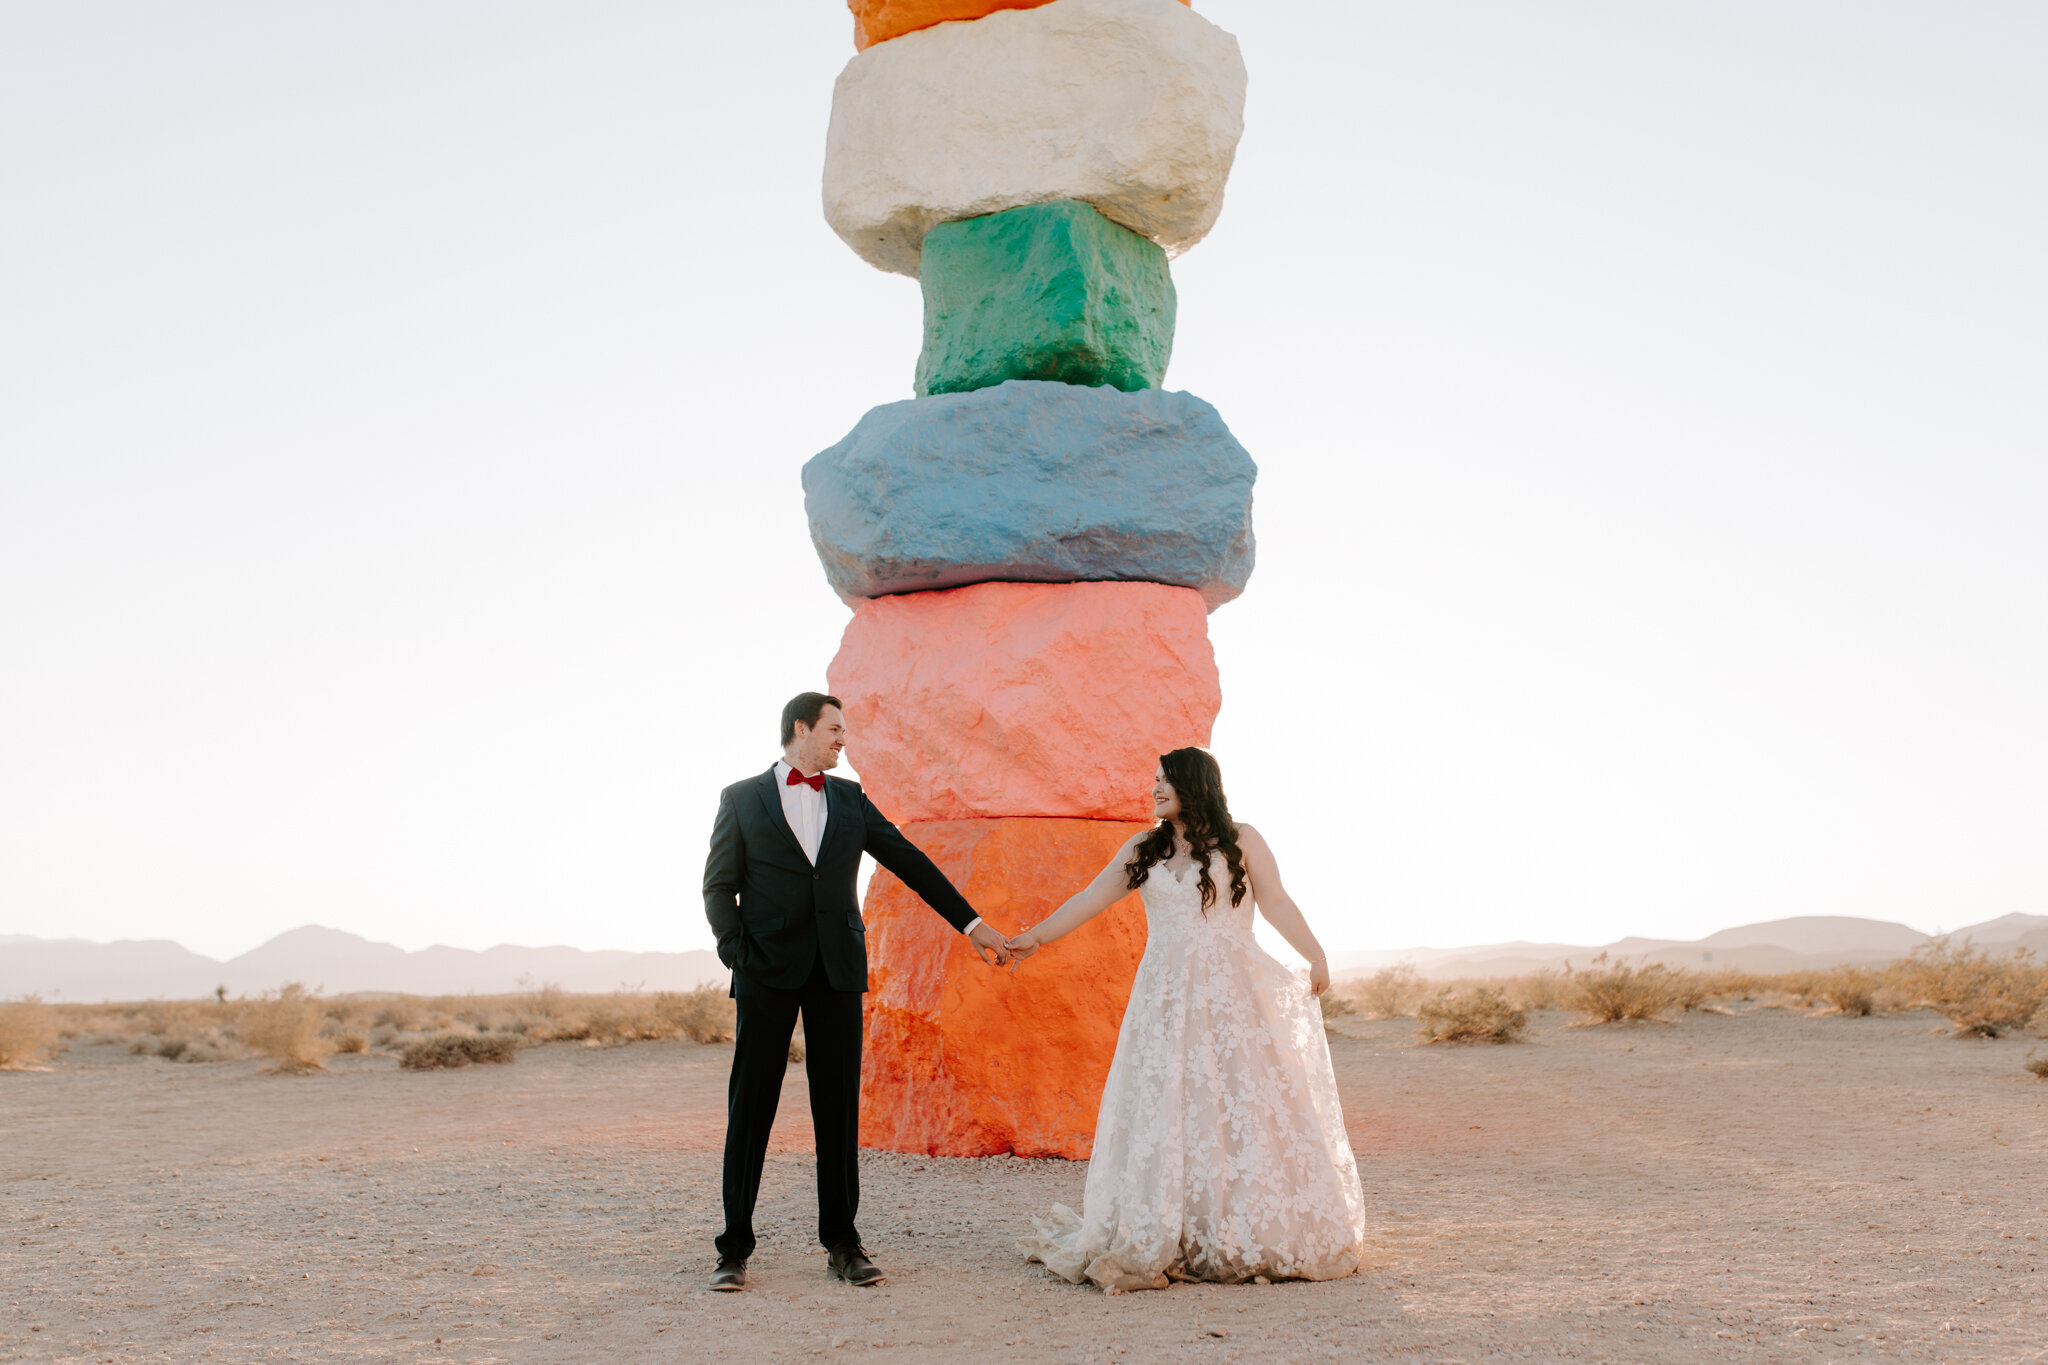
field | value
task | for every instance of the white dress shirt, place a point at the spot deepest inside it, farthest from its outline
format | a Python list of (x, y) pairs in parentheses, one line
[(804, 808)]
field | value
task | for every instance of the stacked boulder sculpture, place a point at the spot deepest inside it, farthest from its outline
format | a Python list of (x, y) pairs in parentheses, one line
[(1031, 545)]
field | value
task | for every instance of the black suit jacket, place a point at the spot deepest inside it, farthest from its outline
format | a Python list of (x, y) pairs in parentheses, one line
[(775, 914)]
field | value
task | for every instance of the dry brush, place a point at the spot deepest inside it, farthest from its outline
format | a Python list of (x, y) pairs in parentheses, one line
[(29, 1032), (1480, 1014), (284, 1025), (1977, 993)]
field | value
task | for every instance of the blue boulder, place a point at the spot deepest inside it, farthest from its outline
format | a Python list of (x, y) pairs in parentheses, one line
[(1034, 482)]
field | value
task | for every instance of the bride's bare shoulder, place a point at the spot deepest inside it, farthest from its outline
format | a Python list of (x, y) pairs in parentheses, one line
[(1124, 859), (1247, 837)]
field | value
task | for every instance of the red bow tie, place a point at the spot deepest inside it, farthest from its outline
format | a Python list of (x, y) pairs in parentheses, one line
[(816, 782)]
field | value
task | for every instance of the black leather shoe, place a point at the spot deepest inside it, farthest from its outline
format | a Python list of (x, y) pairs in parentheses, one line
[(731, 1273), (849, 1261)]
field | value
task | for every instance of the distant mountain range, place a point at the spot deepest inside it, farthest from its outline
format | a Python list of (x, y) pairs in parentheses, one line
[(331, 961), (1806, 943), (339, 963)]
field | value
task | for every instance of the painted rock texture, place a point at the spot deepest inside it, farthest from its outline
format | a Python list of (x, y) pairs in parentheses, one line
[(1024, 698), (1048, 291), (877, 21), (1133, 106), (1034, 482), (965, 1060)]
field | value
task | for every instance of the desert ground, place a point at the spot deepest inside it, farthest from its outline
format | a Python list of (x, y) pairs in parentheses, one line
[(1758, 1184)]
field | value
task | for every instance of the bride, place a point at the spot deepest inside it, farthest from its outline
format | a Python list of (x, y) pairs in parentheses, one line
[(1220, 1151)]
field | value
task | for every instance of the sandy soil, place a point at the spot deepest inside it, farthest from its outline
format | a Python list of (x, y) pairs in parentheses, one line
[(1759, 1186)]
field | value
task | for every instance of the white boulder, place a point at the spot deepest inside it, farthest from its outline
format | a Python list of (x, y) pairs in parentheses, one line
[(1133, 106)]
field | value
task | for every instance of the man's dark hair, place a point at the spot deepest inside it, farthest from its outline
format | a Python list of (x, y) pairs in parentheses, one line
[(805, 707)]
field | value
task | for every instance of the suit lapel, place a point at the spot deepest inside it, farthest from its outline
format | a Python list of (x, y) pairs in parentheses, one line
[(771, 806), (842, 815)]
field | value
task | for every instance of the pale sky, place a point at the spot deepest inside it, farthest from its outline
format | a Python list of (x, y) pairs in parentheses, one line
[(401, 408)]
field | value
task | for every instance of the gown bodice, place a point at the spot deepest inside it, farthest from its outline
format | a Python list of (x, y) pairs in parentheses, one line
[(1175, 916)]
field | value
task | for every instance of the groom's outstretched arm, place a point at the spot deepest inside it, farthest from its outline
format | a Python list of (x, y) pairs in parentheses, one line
[(725, 869), (913, 868)]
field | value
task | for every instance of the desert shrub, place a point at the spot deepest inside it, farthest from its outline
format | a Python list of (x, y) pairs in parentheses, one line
[(488, 1016), (1687, 991), (457, 1049), (1728, 983), (1538, 990), (28, 1032), (1606, 992), (606, 1022), (401, 1015), (1723, 984), (796, 1044), (547, 1002), (1978, 994), (1479, 1014), (284, 1026), (2037, 1065), (623, 1017), (1809, 987), (566, 1027), (549, 1015), (345, 1030), (204, 1045), (1391, 992), (186, 1044), (435, 1016), (358, 1017), (208, 1045), (705, 1014), (1848, 990)]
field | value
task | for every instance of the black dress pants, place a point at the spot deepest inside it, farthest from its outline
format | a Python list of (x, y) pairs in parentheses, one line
[(760, 1058)]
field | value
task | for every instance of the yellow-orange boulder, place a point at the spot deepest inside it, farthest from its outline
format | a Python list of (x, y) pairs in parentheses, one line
[(877, 21), (1005, 699), (963, 1059)]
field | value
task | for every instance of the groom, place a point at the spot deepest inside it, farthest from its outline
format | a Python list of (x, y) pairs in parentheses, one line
[(779, 892)]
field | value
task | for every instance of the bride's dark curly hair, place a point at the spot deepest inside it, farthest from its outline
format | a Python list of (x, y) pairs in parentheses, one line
[(1204, 813)]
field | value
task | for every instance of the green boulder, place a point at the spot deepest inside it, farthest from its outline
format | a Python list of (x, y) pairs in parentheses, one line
[(1048, 291)]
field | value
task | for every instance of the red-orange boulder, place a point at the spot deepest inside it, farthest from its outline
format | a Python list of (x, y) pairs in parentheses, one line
[(1001, 699), (877, 21), (963, 1059)]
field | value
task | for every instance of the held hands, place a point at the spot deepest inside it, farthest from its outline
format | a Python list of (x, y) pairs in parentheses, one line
[(989, 945), (1025, 944)]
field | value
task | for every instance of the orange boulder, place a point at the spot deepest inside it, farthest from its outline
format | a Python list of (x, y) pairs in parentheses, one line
[(877, 21), (963, 1059), (1007, 699)]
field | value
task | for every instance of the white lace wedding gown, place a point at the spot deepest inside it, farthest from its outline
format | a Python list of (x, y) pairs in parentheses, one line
[(1220, 1151)]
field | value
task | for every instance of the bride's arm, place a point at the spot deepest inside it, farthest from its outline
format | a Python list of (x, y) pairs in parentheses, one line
[(1279, 908), (1110, 886)]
